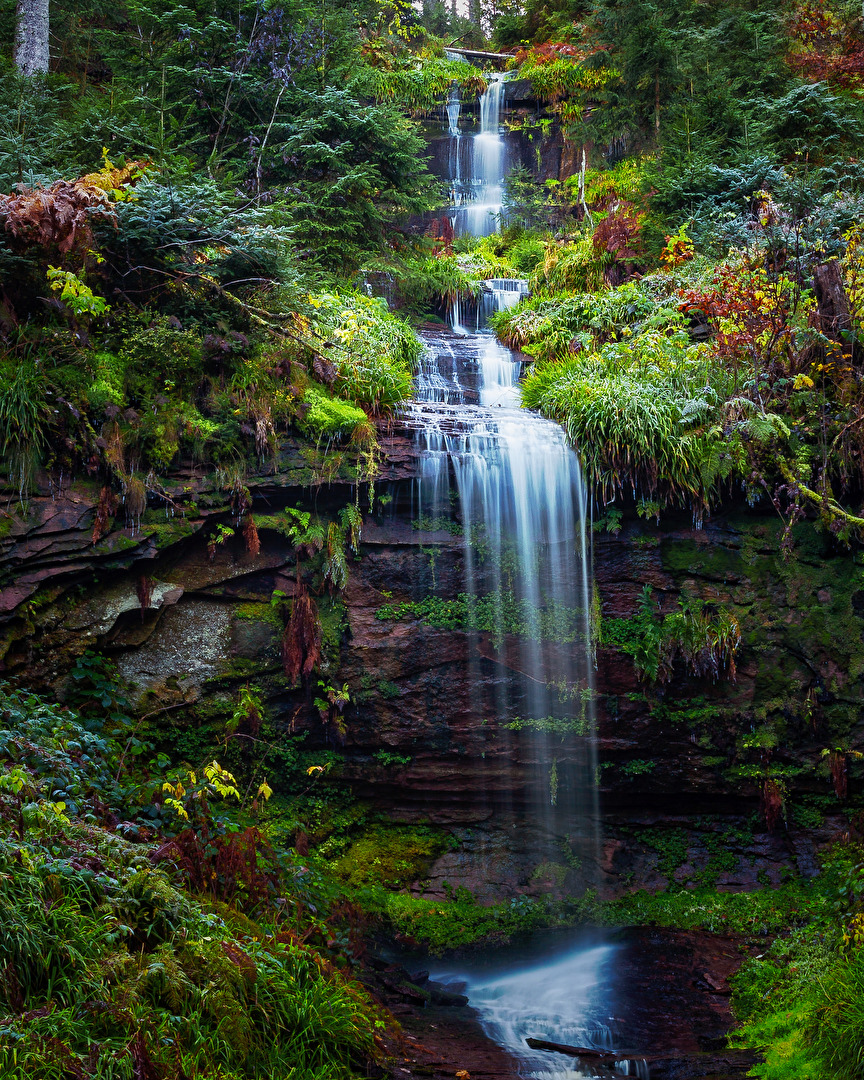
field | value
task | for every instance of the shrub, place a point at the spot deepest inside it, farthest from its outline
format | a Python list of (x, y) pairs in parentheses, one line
[(375, 352)]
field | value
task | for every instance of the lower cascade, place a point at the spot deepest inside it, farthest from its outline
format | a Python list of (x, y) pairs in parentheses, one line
[(565, 999)]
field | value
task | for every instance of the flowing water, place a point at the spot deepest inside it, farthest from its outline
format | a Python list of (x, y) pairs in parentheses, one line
[(565, 999), (477, 162), (507, 479)]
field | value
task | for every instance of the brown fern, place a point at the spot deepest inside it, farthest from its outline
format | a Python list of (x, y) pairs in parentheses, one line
[(60, 216), (772, 803), (619, 233), (104, 510), (250, 535), (301, 642), (839, 773), (143, 1066)]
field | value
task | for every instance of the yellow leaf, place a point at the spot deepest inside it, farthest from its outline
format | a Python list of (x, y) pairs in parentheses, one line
[(314, 769)]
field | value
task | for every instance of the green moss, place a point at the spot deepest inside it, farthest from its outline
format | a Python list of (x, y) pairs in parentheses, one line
[(258, 612), (240, 668), (169, 532), (333, 617), (551, 872), (429, 524), (109, 377), (394, 857)]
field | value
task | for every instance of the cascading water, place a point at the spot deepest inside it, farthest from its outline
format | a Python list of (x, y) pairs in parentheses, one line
[(521, 509), (565, 1000), (477, 165), (452, 110)]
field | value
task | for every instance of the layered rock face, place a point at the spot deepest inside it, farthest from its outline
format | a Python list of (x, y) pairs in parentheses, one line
[(684, 769)]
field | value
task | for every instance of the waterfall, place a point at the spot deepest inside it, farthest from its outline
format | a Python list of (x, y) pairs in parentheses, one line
[(477, 197), (564, 999), (523, 519), (499, 294), (521, 508), (507, 481), (452, 110)]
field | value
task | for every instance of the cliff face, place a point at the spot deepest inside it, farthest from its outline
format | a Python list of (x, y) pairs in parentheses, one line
[(686, 770)]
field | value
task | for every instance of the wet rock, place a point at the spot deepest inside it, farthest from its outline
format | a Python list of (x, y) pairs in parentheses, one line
[(190, 644)]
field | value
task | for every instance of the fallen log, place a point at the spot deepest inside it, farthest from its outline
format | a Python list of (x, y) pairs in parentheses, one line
[(730, 1058), (478, 53), (586, 1051)]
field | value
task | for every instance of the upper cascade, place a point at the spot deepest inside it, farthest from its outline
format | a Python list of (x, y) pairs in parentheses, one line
[(478, 164)]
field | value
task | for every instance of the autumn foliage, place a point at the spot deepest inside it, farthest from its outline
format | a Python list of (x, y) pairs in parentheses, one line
[(60, 217), (829, 48)]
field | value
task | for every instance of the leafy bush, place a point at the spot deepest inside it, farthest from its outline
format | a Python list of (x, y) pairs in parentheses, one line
[(328, 417), (375, 352), (550, 328), (704, 639)]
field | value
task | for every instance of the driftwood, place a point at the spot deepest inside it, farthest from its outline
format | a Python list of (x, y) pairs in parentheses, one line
[(476, 53), (603, 1059)]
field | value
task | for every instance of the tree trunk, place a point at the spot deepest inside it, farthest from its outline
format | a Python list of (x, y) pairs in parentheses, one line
[(31, 37), (832, 301)]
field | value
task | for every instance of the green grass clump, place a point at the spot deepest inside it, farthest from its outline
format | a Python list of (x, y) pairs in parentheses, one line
[(546, 326), (425, 282), (643, 416)]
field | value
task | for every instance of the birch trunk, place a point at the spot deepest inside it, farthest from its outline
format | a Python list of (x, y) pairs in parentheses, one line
[(31, 37)]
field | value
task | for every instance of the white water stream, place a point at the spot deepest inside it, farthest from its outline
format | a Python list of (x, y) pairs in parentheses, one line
[(477, 163), (513, 485), (507, 480), (565, 999)]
